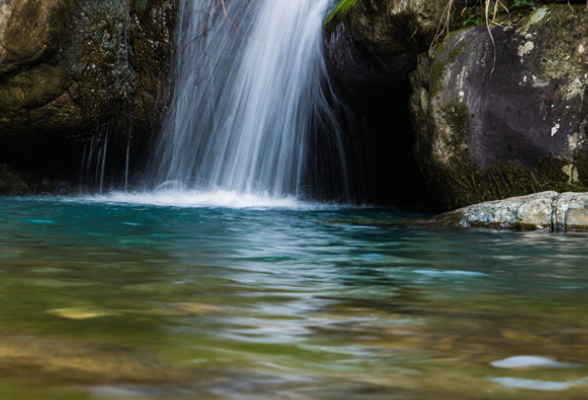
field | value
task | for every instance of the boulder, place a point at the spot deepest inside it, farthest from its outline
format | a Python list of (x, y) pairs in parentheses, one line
[(547, 211), (504, 114), (374, 44), (82, 84)]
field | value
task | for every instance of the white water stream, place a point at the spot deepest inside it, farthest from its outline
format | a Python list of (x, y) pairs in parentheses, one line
[(249, 96)]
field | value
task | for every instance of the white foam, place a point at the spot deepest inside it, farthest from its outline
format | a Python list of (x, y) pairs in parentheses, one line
[(529, 362), (202, 199)]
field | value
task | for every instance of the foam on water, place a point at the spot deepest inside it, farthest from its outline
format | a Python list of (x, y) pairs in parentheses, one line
[(211, 199)]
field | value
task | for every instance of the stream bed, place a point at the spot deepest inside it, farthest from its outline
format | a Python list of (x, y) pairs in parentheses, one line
[(187, 297)]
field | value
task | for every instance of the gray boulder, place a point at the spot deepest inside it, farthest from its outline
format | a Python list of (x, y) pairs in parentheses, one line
[(548, 211)]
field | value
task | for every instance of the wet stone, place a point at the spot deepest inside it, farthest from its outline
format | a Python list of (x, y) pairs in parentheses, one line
[(548, 211)]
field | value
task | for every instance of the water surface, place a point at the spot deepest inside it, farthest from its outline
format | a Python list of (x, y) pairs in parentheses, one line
[(129, 297)]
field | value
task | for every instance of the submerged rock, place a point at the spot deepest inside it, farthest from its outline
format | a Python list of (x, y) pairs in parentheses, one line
[(43, 359), (79, 82), (504, 114)]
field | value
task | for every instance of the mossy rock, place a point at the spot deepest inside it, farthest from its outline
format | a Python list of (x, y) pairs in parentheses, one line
[(336, 15), (504, 116), (73, 74)]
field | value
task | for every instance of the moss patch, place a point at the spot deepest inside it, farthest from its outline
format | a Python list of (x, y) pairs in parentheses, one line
[(463, 183), (335, 16)]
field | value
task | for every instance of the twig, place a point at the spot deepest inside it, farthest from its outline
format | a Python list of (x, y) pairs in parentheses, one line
[(486, 11), (228, 19), (443, 26)]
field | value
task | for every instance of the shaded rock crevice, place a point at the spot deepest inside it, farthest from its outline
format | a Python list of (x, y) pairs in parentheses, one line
[(370, 51)]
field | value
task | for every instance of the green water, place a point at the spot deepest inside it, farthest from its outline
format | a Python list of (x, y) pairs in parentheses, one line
[(106, 300)]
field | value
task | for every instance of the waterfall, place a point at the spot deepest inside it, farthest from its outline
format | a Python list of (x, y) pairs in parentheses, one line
[(251, 110)]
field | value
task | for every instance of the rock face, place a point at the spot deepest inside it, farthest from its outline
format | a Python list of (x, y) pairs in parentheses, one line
[(548, 211), (80, 83), (492, 115), (371, 46), (503, 115)]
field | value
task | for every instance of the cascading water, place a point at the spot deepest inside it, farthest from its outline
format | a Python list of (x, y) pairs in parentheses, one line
[(250, 98)]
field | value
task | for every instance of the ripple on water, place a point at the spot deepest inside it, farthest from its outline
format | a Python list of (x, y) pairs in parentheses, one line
[(142, 301), (530, 362), (533, 384)]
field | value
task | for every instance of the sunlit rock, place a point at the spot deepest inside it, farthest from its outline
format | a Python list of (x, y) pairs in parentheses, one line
[(548, 211)]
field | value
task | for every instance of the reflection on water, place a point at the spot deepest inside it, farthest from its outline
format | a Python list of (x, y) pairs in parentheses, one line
[(108, 300)]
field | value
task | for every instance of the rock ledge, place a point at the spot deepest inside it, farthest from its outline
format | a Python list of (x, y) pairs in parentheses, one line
[(550, 211)]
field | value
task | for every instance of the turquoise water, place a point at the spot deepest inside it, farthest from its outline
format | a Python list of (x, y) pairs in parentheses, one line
[(118, 298)]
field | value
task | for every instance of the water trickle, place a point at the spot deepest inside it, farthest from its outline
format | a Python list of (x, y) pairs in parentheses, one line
[(252, 101), (105, 162), (94, 158), (103, 165)]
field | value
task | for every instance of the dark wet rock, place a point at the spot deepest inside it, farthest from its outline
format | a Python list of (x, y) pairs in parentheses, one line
[(370, 43), (371, 46), (11, 182), (15, 182), (81, 78), (505, 116)]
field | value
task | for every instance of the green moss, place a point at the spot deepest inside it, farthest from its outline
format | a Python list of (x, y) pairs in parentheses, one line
[(335, 16), (464, 183), (581, 164)]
